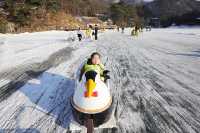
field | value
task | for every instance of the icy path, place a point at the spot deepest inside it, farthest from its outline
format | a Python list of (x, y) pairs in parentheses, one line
[(155, 79)]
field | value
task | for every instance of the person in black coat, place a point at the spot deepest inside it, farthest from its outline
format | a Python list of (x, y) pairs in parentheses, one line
[(96, 32)]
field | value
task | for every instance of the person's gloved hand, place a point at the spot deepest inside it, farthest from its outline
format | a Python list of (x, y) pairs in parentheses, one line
[(105, 72), (107, 77)]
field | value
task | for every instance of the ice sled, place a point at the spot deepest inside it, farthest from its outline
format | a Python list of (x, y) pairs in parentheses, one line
[(92, 102)]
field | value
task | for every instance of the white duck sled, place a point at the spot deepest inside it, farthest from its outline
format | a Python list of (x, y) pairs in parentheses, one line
[(92, 101)]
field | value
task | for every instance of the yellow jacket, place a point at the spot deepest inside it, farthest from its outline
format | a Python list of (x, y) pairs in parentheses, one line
[(99, 68)]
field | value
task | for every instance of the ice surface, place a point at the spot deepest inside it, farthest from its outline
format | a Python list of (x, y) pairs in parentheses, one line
[(155, 79)]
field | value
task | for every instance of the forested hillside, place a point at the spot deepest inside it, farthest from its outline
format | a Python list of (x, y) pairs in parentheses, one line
[(37, 15), (176, 11)]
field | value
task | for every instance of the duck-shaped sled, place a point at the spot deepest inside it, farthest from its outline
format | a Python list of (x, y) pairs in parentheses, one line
[(92, 101)]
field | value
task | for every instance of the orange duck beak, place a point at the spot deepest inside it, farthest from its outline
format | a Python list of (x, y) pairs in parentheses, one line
[(90, 86)]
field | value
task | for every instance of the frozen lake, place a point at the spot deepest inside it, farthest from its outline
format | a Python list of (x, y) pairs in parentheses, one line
[(155, 79)]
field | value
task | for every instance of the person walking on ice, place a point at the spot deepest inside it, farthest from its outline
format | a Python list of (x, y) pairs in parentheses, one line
[(79, 34), (96, 28), (88, 32)]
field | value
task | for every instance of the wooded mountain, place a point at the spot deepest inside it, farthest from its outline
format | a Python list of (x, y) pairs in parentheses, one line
[(173, 7), (169, 11)]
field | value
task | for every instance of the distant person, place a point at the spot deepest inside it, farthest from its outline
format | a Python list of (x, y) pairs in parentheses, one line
[(122, 29), (96, 28), (133, 33), (89, 32), (141, 28), (118, 28), (137, 29), (148, 27), (79, 34)]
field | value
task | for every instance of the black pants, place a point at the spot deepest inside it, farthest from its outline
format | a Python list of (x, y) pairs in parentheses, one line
[(79, 37), (95, 36)]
